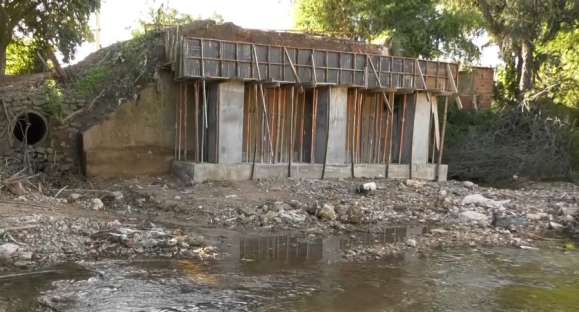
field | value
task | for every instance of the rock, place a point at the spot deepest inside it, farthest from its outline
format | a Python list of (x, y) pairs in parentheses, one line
[(555, 225), (327, 212), (473, 216), (411, 243), (366, 188), (469, 184), (480, 200), (118, 196), (74, 196), (355, 214), (508, 221), (414, 183), (8, 251), (438, 231), (16, 188), (292, 216), (97, 204), (537, 216)]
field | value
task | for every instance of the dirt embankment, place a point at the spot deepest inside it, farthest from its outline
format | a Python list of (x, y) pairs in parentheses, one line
[(164, 217)]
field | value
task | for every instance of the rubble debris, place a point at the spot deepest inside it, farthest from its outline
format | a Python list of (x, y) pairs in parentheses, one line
[(366, 188), (327, 212), (480, 200)]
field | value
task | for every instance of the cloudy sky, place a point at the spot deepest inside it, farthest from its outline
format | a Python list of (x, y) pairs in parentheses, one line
[(118, 18)]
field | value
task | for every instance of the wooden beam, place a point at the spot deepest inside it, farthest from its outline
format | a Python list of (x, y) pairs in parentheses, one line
[(291, 139), (388, 104), (263, 100), (440, 152), (451, 78)]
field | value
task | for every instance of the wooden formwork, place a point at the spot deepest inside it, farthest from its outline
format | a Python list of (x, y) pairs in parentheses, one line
[(291, 114)]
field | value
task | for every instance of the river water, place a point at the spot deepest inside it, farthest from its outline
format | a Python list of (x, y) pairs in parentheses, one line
[(287, 273)]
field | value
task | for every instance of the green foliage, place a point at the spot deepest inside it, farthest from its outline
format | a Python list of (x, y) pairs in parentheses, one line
[(55, 100), (57, 23), (91, 82), (559, 74), (411, 28), (518, 27), (22, 58)]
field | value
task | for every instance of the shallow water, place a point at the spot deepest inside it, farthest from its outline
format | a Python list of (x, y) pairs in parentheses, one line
[(287, 273)]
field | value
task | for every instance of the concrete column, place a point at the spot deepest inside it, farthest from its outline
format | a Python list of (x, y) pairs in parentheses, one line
[(332, 101), (231, 97), (421, 133)]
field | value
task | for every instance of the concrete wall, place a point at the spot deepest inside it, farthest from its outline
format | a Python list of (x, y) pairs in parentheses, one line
[(421, 132), (231, 97), (192, 172), (137, 139)]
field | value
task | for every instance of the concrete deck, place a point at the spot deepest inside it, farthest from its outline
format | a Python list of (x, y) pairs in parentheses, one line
[(189, 171)]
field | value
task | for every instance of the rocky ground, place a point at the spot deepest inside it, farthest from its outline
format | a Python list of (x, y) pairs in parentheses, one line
[(163, 217)]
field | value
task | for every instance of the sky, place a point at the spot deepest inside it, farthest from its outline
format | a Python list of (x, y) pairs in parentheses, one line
[(119, 17)]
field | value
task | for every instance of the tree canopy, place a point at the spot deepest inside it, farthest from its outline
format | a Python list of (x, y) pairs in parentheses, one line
[(519, 27), (60, 24), (410, 28)]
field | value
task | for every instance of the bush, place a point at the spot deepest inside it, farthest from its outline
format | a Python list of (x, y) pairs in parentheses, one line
[(493, 147)]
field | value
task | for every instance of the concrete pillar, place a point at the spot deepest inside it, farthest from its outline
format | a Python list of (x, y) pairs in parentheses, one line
[(421, 133), (332, 101), (230, 97)]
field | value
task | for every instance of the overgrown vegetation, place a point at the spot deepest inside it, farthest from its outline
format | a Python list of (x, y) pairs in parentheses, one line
[(55, 105), (499, 147)]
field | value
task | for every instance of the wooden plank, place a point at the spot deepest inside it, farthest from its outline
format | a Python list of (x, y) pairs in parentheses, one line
[(443, 134), (291, 139), (262, 99)]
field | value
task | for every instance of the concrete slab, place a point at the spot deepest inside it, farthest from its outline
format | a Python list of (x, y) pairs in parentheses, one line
[(240, 172)]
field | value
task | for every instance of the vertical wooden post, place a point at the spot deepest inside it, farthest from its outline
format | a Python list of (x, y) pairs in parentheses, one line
[(327, 136), (442, 136), (391, 126), (291, 139), (204, 120), (196, 104), (353, 133), (402, 128)]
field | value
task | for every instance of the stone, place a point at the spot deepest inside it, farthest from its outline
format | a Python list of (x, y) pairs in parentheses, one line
[(555, 225), (355, 214), (97, 204), (74, 196), (481, 201), (537, 216), (473, 216), (8, 251), (438, 231), (414, 183), (118, 196), (16, 188), (292, 216), (327, 212), (411, 243), (367, 188), (469, 184)]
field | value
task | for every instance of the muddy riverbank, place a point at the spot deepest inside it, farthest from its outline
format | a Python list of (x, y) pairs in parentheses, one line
[(163, 217)]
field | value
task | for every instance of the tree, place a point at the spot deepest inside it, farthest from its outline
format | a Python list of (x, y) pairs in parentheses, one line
[(62, 24), (559, 73), (411, 28), (519, 27)]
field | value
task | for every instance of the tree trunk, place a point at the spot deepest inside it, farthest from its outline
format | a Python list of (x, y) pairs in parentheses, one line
[(526, 80), (3, 47)]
